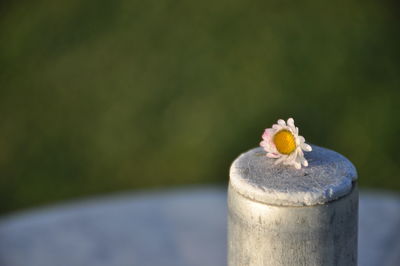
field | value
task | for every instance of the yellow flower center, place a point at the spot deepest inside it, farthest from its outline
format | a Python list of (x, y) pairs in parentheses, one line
[(285, 142)]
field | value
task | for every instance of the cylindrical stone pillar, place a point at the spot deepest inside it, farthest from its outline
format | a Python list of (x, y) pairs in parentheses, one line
[(279, 215)]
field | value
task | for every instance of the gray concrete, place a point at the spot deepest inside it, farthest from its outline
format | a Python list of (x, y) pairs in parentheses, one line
[(329, 176), (169, 228), (282, 216), (267, 235)]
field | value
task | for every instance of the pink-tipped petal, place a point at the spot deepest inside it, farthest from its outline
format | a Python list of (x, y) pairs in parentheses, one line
[(263, 143), (267, 142), (268, 134), (272, 155), (281, 122)]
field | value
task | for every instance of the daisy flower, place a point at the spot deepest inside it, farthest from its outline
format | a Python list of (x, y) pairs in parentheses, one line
[(284, 143)]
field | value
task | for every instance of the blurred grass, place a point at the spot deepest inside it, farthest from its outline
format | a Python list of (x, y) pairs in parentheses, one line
[(99, 96)]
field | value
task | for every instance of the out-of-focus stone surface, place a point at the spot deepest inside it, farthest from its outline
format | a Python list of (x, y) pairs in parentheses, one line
[(178, 227), (379, 229)]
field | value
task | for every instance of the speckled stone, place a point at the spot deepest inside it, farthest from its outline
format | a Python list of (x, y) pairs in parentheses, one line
[(328, 176)]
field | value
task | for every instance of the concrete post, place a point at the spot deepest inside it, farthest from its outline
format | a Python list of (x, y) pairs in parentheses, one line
[(278, 215)]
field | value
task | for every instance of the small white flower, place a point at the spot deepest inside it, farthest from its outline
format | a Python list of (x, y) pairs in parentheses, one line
[(284, 143)]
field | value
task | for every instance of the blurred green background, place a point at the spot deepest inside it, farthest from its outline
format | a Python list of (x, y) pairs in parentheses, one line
[(103, 96)]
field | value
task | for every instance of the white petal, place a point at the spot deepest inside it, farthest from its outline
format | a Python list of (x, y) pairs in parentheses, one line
[(290, 159), (292, 156), (290, 123), (298, 156), (302, 140), (297, 131), (286, 162), (282, 122), (276, 127), (297, 165), (306, 147), (299, 152), (281, 159), (288, 129), (301, 158)]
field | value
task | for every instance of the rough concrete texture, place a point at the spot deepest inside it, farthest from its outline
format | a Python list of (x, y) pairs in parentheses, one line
[(267, 235), (329, 176)]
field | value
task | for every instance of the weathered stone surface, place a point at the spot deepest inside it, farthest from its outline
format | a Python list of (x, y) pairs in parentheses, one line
[(267, 235), (329, 176)]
